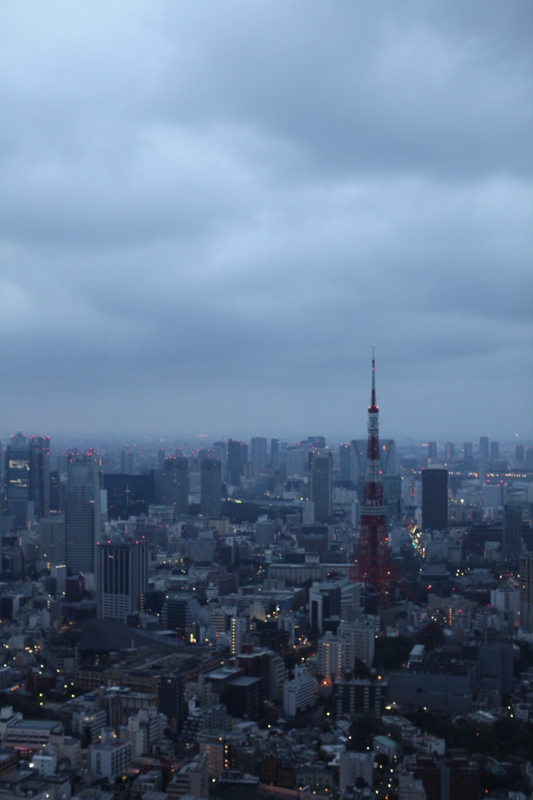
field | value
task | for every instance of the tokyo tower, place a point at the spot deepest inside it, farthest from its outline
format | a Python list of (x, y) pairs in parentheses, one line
[(373, 564)]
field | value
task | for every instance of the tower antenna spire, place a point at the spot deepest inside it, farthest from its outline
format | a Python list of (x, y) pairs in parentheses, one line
[(373, 564)]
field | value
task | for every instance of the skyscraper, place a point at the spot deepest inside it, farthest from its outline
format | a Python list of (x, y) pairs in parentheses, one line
[(27, 476), (237, 458), (494, 451), (127, 466), (274, 450), (211, 488), (519, 453), (512, 532), (484, 446), (220, 452), (432, 451), (321, 484), (450, 451), (82, 515), (345, 462), (259, 454), (176, 483), (526, 592), (467, 449), (434, 499), (17, 474), (121, 578)]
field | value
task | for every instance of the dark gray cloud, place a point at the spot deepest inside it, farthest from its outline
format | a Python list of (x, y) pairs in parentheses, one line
[(210, 211)]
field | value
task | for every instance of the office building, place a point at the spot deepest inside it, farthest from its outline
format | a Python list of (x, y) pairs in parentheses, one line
[(127, 463), (492, 494), (300, 693), (519, 453), (237, 633), (345, 463), (40, 475), (264, 532), (237, 458), (121, 578), (259, 455), (434, 499), (82, 516), (191, 781), (111, 758), (179, 614), (484, 446), (176, 484), (127, 495), (211, 488), (171, 700), (494, 451), (161, 457), (432, 451), (467, 450), (354, 766), (526, 592), (274, 451), (57, 493), (321, 484), (512, 532), (334, 656), (450, 451), (27, 476), (52, 535), (220, 452)]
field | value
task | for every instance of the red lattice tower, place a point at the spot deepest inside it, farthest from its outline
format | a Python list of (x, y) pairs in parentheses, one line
[(373, 564)]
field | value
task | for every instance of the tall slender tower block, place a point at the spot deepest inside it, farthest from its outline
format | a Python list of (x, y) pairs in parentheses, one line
[(373, 564)]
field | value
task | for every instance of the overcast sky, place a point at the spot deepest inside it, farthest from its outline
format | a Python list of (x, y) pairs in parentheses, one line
[(210, 210)]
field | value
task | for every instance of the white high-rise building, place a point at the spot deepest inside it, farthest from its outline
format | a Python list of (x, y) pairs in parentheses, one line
[(356, 765), (334, 656), (299, 694)]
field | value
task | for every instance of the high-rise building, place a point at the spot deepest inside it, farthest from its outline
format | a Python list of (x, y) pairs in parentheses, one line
[(321, 484), (40, 475), (450, 451), (127, 495), (519, 453), (467, 450), (259, 454), (529, 455), (316, 442), (52, 535), (274, 450), (345, 462), (494, 451), (180, 614), (127, 464), (220, 452), (512, 532), (265, 530), (171, 699), (237, 632), (435, 499), (176, 484), (121, 578), (161, 456), (237, 458), (484, 446), (27, 476), (526, 592), (82, 515), (432, 451), (211, 488)]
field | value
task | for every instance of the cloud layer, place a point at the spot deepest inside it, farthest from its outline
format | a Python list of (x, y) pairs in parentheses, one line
[(210, 211)]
